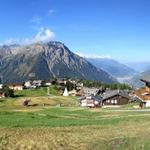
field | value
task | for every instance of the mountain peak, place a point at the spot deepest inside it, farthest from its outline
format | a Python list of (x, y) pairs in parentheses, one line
[(46, 60)]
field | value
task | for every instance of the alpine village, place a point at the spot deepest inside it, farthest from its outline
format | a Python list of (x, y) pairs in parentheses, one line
[(74, 74), (98, 93)]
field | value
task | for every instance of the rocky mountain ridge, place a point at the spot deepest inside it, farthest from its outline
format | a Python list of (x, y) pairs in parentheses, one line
[(46, 60)]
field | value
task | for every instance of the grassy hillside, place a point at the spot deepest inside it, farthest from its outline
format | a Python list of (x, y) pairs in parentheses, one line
[(38, 92), (46, 125), (64, 117), (36, 103), (75, 128)]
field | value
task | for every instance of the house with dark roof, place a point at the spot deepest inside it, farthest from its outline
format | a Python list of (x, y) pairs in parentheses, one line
[(115, 98), (90, 101), (90, 91)]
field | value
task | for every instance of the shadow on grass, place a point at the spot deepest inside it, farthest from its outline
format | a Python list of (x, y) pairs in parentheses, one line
[(17, 96), (32, 105)]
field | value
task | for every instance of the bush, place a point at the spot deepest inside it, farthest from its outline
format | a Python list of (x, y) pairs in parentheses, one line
[(8, 92)]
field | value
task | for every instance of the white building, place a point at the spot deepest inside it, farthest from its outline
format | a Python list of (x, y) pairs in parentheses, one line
[(90, 91), (66, 93), (90, 101), (1, 86), (27, 84)]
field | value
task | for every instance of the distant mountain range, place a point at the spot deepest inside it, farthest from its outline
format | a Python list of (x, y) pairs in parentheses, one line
[(113, 67), (143, 69), (140, 66), (135, 80), (19, 63), (123, 73)]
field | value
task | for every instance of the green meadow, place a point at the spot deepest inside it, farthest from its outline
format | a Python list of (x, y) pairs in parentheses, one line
[(56, 122)]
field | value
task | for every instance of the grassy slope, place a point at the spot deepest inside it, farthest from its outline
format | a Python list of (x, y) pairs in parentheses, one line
[(64, 117), (76, 128), (52, 127), (37, 92)]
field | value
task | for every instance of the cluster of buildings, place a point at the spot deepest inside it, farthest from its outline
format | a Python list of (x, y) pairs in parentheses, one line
[(26, 85), (92, 97), (33, 84), (108, 98), (101, 98), (20, 86)]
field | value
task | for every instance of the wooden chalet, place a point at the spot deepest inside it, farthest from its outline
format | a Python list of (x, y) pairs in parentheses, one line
[(143, 94), (115, 98)]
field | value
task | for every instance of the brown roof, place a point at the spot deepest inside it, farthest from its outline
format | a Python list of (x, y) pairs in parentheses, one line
[(143, 94)]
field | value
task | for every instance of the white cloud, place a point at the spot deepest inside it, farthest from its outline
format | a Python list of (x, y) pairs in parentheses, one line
[(93, 56), (44, 35), (36, 19)]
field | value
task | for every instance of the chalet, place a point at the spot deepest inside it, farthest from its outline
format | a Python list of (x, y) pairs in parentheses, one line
[(16, 87), (115, 98), (1, 86), (143, 94), (33, 84), (90, 101), (61, 81), (48, 83), (73, 92), (79, 86), (90, 91), (37, 83), (27, 84)]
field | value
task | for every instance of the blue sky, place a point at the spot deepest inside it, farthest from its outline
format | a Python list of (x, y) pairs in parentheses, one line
[(115, 28)]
